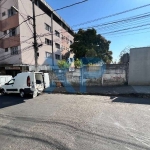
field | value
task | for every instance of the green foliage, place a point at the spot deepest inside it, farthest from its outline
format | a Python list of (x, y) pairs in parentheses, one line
[(62, 64), (91, 53), (78, 63), (87, 43), (89, 64)]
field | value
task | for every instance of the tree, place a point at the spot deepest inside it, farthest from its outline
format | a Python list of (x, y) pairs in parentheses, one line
[(88, 42), (62, 64), (91, 53), (78, 63), (66, 55), (124, 59)]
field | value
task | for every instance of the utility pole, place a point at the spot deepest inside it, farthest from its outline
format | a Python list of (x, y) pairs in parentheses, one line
[(52, 37), (35, 40)]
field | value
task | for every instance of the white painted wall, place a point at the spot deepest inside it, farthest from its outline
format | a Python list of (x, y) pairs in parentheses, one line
[(139, 66)]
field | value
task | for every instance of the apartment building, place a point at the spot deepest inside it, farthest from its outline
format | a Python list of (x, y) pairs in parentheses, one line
[(16, 36)]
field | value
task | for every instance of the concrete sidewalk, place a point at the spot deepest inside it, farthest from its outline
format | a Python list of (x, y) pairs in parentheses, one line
[(138, 91)]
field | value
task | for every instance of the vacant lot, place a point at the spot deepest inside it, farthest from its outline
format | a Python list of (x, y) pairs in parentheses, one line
[(71, 122)]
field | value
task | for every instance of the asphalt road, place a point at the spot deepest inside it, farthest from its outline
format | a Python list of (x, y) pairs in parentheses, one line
[(71, 122)]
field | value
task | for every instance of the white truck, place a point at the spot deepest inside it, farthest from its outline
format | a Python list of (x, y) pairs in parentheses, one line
[(27, 83), (4, 79)]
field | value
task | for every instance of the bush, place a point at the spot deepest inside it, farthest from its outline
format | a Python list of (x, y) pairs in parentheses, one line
[(78, 63), (62, 64)]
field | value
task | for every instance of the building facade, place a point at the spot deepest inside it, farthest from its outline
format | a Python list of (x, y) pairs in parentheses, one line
[(16, 36)]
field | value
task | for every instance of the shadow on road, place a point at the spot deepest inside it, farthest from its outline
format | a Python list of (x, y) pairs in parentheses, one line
[(10, 100), (144, 101)]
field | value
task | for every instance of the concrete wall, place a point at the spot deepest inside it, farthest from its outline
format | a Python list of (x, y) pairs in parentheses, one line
[(139, 66), (91, 76), (115, 74)]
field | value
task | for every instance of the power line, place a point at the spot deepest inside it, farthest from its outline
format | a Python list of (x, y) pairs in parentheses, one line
[(25, 41), (19, 52), (27, 23), (127, 34), (111, 34), (47, 34), (24, 7), (70, 5), (126, 11), (7, 9), (124, 21), (21, 43), (126, 29), (64, 7), (15, 27), (119, 21), (123, 25)]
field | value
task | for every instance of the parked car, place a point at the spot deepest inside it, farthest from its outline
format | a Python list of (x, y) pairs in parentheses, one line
[(4, 79), (27, 83)]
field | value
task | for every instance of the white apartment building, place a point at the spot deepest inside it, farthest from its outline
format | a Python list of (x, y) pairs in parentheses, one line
[(16, 36)]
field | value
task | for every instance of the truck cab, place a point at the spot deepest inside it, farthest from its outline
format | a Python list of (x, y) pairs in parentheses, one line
[(27, 83)]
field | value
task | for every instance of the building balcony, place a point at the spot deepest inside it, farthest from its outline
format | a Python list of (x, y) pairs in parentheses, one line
[(10, 42), (9, 23)]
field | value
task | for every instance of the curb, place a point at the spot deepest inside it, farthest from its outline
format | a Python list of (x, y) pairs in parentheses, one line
[(137, 95)]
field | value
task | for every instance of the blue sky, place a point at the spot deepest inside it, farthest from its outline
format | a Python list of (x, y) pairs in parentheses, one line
[(93, 9)]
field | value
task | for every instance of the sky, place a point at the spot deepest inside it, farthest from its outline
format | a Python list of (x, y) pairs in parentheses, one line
[(94, 9)]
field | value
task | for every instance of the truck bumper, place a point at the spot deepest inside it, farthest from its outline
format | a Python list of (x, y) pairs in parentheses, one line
[(28, 91)]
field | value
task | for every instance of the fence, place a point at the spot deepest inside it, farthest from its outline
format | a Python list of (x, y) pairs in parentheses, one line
[(112, 74)]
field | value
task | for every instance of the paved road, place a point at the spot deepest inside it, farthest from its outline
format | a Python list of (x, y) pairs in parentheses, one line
[(71, 122)]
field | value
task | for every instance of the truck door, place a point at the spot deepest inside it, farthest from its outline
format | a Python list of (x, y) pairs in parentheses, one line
[(33, 81), (46, 80), (9, 87)]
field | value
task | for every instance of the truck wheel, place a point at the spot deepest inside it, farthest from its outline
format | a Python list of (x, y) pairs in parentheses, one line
[(3, 92), (22, 94)]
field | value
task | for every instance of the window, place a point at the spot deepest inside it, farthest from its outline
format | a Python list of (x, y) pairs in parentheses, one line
[(5, 32), (11, 12), (70, 42), (3, 14), (48, 55), (63, 37), (14, 50), (6, 49), (57, 33), (47, 27), (67, 40), (11, 82), (57, 56), (48, 42), (12, 32), (57, 45)]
